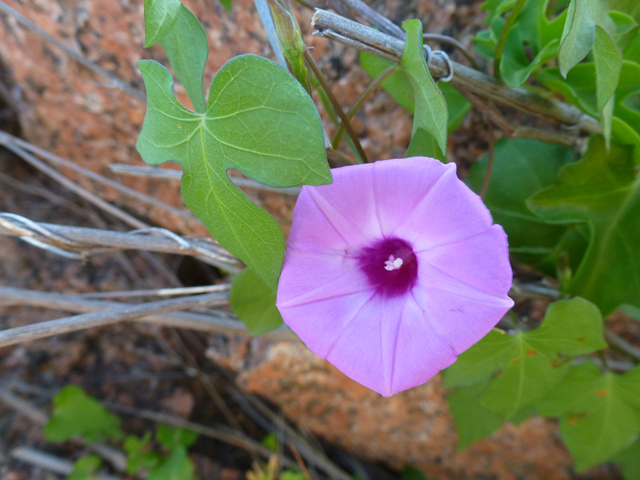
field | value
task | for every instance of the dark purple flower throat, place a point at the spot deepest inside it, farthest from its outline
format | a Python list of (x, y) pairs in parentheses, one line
[(390, 265)]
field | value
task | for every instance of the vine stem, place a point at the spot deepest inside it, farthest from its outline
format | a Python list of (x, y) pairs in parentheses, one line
[(360, 101), (511, 19), (364, 38), (336, 105)]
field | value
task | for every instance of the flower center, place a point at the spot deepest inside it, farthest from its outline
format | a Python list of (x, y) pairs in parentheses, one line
[(390, 265)]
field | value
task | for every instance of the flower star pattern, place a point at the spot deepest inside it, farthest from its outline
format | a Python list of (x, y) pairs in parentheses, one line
[(392, 271)]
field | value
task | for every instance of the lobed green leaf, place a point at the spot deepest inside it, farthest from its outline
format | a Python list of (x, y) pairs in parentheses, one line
[(260, 121), (599, 412), (603, 190), (77, 414), (187, 47), (159, 17), (528, 364)]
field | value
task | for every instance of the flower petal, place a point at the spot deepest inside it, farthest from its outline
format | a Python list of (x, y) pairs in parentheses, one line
[(418, 353), (319, 325), (400, 185), (461, 314), (347, 205), (449, 212), (333, 276), (481, 261)]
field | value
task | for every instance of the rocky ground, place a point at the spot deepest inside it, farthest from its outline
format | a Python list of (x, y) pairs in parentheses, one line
[(53, 102)]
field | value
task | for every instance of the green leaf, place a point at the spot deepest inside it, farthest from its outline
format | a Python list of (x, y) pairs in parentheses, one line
[(577, 37), (290, 474), (85, 468), (430, 106), (77, 414), (457, 106), (187, 47), (472, 419), (177, 466), (528, 363), (522, 167), (608, 63), (515, 66), (260, 121), (159, 17), (270, 441), (139, 454), (602, 190), (629, 461), (398, 86), (412, 473), (624, 23), (599, 413), (171, 438), (538, 34), (254, 301), (227, 4)]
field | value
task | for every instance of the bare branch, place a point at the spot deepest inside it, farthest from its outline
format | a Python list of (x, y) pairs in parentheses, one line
[(214, 322), (114, 81), (90, 241), (360, 36), (50, 462), (107, 317), (74, 187), (220, 433), (159, 292), (157, 172), (37, 416), (619, 343), (6, 138)]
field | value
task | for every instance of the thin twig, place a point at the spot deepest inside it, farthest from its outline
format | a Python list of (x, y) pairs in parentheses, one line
[(157, 172), (254, 406), (222, 323), (528, 290), (37, 416), (98, 319), (5, 139), (367, 14), (74, 187), (159, 292), (296, 455), (220, 433), (114, 81), (619, 343), (360, 101), (511, 131), (90, 241), (360, 36), (336, 105), (50, 462)]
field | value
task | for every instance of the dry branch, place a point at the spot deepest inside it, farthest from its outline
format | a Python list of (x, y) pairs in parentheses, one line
[(50, 462), (222, 323), (107, 317), (362, 37), (89, 241)]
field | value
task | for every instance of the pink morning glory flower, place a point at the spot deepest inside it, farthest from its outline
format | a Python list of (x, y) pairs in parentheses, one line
[(393, 270)]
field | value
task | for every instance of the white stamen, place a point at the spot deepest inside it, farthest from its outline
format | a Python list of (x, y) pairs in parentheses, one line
[(393, 263)]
